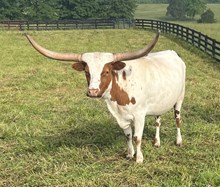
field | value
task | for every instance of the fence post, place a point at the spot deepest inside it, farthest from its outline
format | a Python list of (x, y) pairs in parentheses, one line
[(193, 32), (95, 24), (37, 25), (8, 25), (199, 40), (27, 23), (20, 27), (213, 47), (205, 43), (187, 34), (57, 23)]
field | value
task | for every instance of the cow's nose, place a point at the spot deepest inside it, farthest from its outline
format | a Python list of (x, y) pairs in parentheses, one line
[(92, 92)]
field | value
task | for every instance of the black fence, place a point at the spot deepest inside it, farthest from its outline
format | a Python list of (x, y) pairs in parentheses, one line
[(201, 41), (67, 24)]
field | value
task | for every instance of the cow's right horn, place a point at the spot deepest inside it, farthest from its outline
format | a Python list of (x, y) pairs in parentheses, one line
[(55, 55)]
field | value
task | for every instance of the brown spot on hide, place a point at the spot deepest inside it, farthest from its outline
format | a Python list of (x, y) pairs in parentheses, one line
[(176, 112), (178, 122), (157, 124), (135, 139), (124, 75), (118, 94), (133, 101)]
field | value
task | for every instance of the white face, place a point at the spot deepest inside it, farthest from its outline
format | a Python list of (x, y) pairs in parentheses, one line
[(96, 62), (99, 69)]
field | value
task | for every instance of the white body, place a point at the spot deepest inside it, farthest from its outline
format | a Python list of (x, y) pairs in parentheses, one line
[(156, 81)]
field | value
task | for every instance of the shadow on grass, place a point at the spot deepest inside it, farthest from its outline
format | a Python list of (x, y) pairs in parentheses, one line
[(100, 135), (104, 137)]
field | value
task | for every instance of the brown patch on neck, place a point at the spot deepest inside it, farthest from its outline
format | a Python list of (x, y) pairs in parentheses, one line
[(118, 94), (106, 78)]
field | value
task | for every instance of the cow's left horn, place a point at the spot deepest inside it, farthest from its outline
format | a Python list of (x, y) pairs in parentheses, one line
[(54, 55), (137, 54)]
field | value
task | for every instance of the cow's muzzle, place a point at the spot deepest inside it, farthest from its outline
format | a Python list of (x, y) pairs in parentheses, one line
[(93, 93)]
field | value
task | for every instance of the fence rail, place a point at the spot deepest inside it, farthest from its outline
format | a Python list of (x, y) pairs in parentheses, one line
[(67, 24), (201, 41)]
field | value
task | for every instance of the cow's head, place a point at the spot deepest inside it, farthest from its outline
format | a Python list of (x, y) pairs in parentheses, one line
[(99, 67)]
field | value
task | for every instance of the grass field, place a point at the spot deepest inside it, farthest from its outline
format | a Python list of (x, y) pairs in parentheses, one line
[(158, 11), (51, 134)]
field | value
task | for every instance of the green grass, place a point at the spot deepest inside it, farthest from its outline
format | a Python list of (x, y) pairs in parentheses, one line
[(151, 11), (158, 11), (51, 134)]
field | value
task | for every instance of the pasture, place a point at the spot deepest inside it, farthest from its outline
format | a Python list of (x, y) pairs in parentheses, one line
[(51, 134), (158, 12)]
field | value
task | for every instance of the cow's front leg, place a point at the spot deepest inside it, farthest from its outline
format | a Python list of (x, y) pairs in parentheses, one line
[(128, 134), (139, 127), (126, 126)]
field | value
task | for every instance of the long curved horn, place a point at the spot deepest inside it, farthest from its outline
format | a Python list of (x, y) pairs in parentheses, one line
[(137, 54), (54, 55)]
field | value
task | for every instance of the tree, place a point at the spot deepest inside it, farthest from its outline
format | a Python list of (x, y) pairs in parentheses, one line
[(181, 9), (117, 8), (207, 17), (213, 1), (66, 9), (40, 10), (75, 9), (194, 7), (10, 9), (176, 9)]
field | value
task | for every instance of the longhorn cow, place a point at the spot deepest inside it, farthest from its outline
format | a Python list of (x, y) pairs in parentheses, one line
[(134, 85)]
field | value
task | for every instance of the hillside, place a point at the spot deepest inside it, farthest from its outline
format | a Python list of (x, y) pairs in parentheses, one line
[(158, 11)]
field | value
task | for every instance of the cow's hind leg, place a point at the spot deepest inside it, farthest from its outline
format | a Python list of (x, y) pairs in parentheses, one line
[(156, 141), (177, 115)]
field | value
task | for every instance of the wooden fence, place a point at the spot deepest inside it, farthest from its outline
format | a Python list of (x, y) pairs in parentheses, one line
[(201, 41), (67, 24)]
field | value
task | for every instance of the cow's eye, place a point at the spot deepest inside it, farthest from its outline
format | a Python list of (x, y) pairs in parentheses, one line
[(105, 73)]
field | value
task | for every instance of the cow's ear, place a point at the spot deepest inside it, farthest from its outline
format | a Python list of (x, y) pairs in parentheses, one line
[(118, 65), (79, 66)]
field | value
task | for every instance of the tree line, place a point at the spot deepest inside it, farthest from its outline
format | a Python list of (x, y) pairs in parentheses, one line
[(34, 10), (65, 9), (167, 1)]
